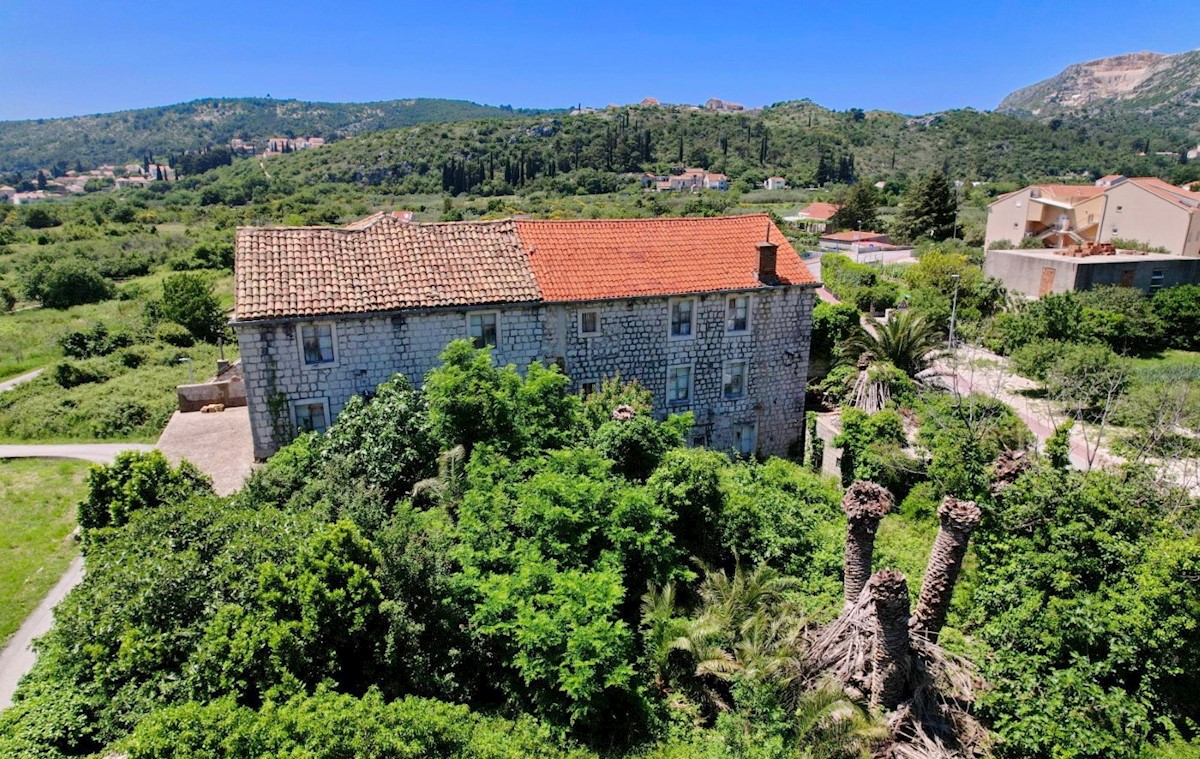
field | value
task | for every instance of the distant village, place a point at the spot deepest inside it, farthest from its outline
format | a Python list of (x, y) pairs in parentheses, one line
[(48, 183)]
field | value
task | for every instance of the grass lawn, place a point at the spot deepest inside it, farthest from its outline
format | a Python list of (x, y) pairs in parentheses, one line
[(37, 515)]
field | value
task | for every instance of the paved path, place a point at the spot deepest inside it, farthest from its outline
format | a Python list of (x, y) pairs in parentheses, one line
[(9, 384), (980, 371), (97, 453), (219, 444), (17, 657)]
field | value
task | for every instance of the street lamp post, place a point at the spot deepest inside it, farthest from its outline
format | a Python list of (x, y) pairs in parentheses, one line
[(953, 309)]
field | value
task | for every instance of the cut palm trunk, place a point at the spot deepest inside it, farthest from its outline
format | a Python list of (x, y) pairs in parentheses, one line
[(865, 503), (892, 659), (958, 520)]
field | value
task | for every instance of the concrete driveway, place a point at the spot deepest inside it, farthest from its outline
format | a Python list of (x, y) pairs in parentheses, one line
[(218, 444)]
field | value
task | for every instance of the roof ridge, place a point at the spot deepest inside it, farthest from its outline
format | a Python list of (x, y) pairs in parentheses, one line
[(758, 214)]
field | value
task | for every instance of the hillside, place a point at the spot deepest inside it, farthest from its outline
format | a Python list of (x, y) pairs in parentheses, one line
[(800, 141), (1162, 90), (128, 135)]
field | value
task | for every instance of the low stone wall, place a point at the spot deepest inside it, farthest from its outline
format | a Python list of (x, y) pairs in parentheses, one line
[(227, 389)]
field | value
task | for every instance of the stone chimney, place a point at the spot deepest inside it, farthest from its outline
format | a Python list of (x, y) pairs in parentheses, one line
[(767, 251)]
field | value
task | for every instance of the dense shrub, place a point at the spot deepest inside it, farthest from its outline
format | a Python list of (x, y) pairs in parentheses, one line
[(188, 300), (1179, 309), (174, 334), (136, 481), (97, 341), (69, 374), (67, 282)]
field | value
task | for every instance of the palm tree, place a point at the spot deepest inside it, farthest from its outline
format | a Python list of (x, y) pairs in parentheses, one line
[(958, 520), (907, 340), (830, 725)]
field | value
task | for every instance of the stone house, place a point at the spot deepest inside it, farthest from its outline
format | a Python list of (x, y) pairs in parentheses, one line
[(712, 315)]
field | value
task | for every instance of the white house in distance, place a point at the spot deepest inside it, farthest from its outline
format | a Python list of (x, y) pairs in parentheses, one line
[(712, 315), (775, 183)]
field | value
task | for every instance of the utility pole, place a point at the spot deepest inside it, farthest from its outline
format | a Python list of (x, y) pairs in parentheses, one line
[(953, 309)]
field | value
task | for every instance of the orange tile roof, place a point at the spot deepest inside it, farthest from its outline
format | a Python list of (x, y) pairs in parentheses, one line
[(819, 211), (1072, 190), (855, 236), (383, 264), (379, 264), (620, 258), (1185, 199)]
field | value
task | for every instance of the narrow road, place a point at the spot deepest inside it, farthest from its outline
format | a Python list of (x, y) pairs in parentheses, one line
[(20, 379), (97, 453), (18, 656)]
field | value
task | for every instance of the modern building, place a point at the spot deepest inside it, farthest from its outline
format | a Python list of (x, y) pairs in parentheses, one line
[(1144, 211), (712, 315), (1123, 231)]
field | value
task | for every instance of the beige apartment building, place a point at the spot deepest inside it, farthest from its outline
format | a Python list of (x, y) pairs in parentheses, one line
[(1146, 210), (1077, 226)]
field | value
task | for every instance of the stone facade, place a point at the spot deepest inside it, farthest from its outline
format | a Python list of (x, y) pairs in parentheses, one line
[(632, 340)]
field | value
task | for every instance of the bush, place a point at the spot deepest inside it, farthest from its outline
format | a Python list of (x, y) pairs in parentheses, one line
[(188, 300), (69, 374), (637, 446), (1179, 307), (174, 334), (67, 282), (7, 299), (136, 481), (97, 341), (1033, 360), (120, 420)]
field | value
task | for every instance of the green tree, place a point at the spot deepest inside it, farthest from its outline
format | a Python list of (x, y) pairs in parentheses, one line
[(137, 481), (929, 210), (1179, 307), (907, 340), (859, 210), (189, 301), (67, 282)]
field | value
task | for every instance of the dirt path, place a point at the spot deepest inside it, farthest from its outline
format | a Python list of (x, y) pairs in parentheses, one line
[(20, 379)]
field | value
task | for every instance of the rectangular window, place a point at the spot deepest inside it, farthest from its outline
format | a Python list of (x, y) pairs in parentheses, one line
[(1120, 209), (737, 317), (699, 440), (316, 341), (735, 379), (312, 415), (743, 439), (683, 317), (679, 385), (589, 323), (1157, 277), (483, 329), (586, 388)]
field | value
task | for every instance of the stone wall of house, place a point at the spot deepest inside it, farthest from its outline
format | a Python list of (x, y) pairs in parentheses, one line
[(367, 352), (633, 341)]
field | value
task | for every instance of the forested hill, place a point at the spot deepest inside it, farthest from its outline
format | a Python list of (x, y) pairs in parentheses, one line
[(800, 141), (128, 135)]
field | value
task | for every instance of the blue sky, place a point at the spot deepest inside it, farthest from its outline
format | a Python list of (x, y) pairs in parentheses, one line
[(67, 57)]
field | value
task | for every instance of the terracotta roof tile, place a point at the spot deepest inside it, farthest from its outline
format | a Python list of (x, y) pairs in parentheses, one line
[(617, 258), (819, 211), (378, 264), (383, 264)]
